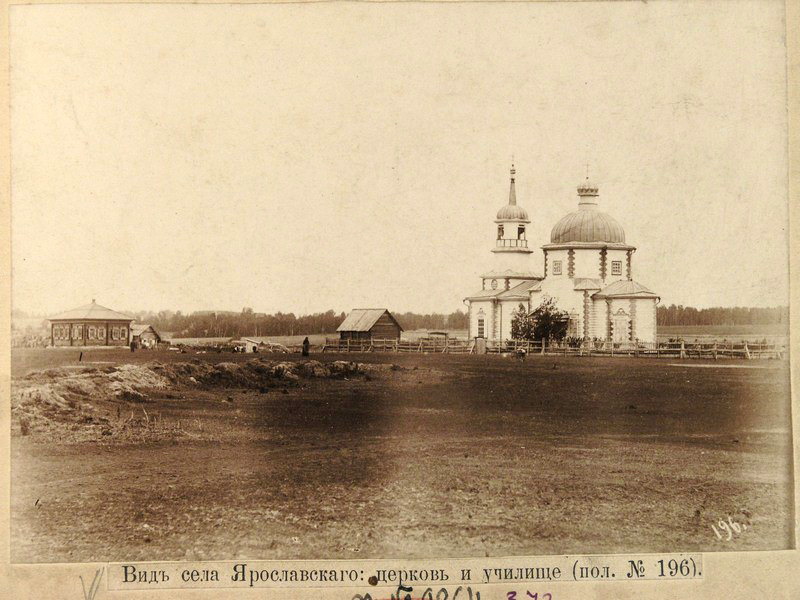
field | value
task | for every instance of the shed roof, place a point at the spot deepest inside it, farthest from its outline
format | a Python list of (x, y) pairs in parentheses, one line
[(137, 328), (91, 312), (362, 319)]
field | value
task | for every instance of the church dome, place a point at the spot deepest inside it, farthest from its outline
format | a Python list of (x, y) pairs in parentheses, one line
[(587, 224), (512, 212)]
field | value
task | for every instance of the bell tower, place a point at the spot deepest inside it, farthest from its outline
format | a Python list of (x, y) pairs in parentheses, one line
[(511, 244)]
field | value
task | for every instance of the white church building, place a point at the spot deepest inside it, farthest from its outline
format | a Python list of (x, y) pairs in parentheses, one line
[(587, 270)]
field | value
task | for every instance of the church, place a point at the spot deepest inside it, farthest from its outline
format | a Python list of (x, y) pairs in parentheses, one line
[(587, 269)]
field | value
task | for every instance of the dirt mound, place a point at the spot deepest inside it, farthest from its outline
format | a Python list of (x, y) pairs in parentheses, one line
[(75, 395), (71, 394), (257, 373)]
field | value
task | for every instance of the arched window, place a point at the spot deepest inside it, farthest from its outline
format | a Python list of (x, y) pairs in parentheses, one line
[(521, 232), (481, 324), (500, 232)]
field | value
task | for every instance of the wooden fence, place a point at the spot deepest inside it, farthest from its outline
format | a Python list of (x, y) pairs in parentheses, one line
[(713, 350), (422, 345)]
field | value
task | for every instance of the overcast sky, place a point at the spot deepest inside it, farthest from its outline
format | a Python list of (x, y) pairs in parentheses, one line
[(306, 157)]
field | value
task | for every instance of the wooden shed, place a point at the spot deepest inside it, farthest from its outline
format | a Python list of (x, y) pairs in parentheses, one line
[(145, 336), (369, 323)]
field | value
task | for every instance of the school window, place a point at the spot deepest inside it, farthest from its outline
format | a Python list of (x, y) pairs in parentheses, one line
[(556, 267), (101, 333), (616, 267), (92, 331), (114, 333)]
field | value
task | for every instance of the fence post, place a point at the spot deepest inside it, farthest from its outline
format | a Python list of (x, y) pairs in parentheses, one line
[(543, 345), (715, 350), (683, 350), (746, 351)]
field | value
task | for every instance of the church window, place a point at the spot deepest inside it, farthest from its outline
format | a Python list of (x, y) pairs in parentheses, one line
[(481, 324), (556, 267), (521, 232), (499, 232), (616, 267)]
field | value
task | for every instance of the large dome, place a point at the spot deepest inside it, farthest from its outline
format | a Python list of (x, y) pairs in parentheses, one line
[(587, 224)]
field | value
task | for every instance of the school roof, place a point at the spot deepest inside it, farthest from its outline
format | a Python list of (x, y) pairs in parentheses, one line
[(362, 319), (91, 312)]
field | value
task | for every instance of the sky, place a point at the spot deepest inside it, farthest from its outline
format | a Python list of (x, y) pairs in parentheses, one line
[(300, 158)]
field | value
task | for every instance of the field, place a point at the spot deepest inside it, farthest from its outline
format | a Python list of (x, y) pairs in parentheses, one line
[(724, 332), (407, 456)]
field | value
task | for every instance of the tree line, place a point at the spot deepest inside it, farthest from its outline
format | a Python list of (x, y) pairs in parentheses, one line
[(688, 315), (250, 323)]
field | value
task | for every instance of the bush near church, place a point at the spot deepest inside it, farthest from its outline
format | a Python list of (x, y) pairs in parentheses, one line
[(546, 322)]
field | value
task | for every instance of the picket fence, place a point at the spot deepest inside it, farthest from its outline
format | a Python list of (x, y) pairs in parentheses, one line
[(706, 349)]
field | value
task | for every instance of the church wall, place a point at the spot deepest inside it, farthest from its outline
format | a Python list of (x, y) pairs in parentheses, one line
[(552, 257), (520, 262), (622, 257), (625, 305), (476, 307), (587, 263), (598, 320), (645, 319), (562, 290), (507, 309)]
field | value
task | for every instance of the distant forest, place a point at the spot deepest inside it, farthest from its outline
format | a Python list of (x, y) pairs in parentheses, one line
[(247, 322), (687, 315)]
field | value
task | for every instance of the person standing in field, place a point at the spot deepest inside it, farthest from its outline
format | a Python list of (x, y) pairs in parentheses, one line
[(306, 345)]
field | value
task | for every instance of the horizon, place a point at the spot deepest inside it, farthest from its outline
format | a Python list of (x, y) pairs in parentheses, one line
[(28, 315), (322, 169)]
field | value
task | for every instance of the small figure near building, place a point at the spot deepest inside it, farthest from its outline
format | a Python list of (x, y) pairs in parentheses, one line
[(306, 345)]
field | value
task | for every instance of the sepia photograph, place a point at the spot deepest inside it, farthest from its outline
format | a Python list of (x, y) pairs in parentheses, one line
[(330, 281)]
